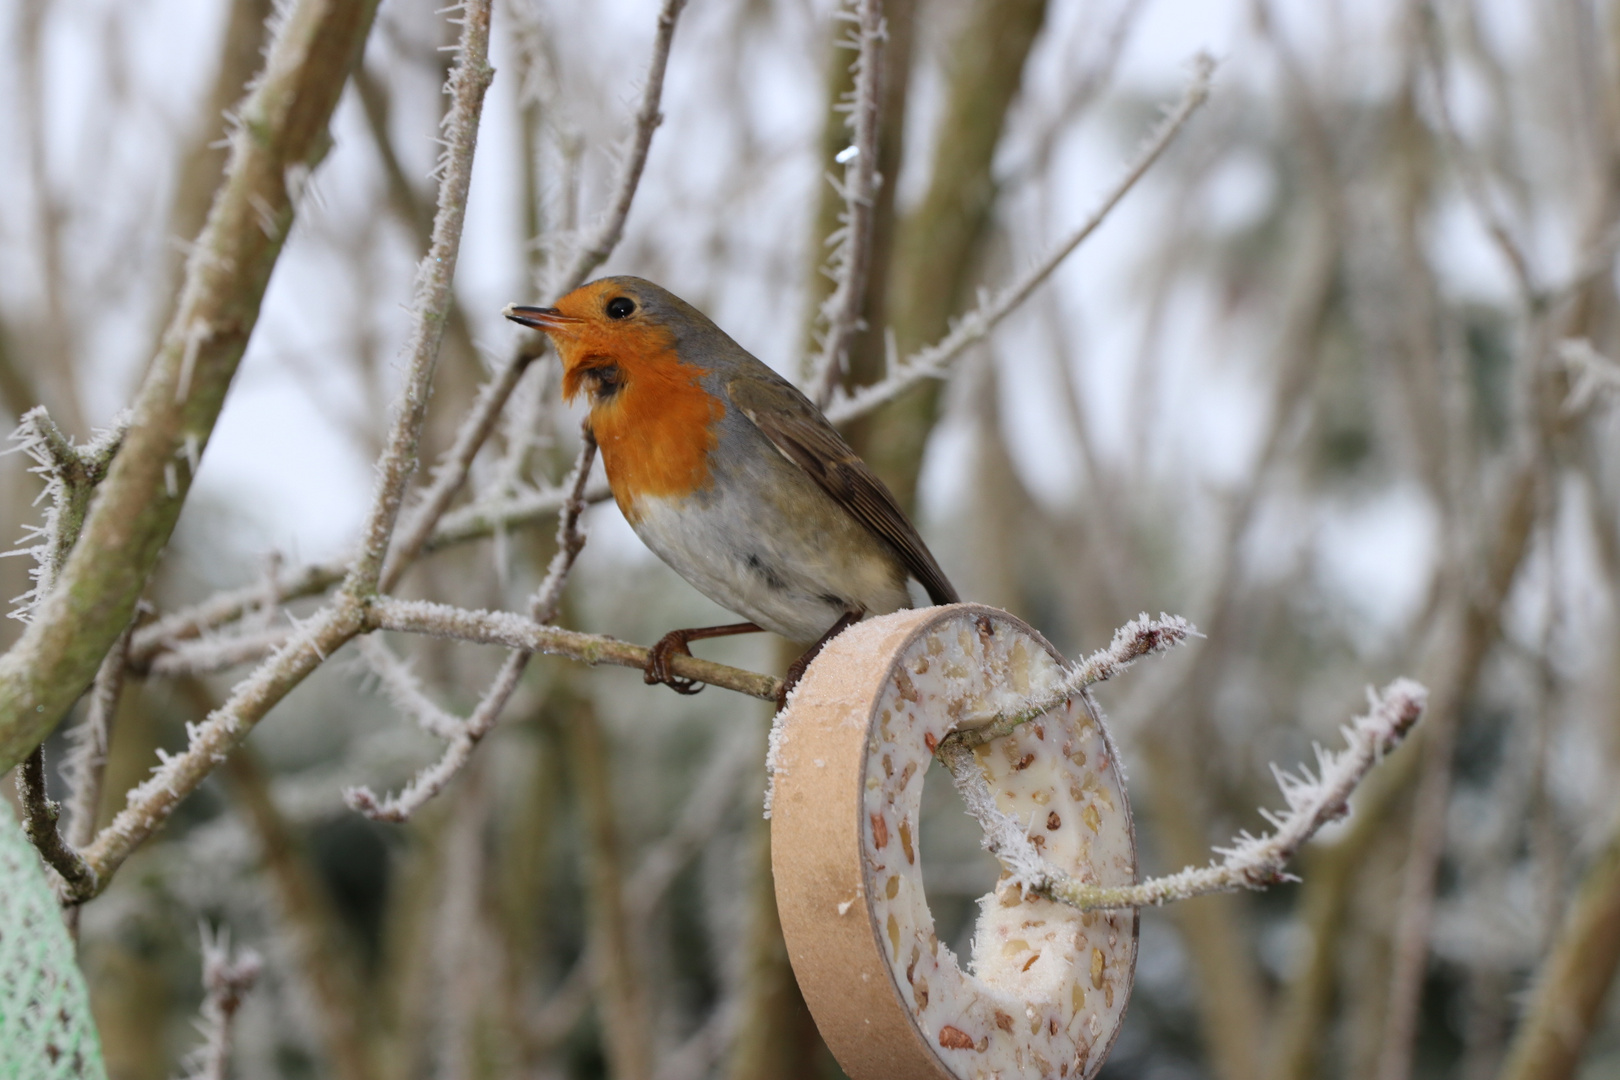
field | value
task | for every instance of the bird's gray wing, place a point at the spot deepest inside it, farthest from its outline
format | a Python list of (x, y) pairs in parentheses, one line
[(798, 430)]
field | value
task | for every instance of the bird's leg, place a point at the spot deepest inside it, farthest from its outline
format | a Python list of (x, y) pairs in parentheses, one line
[(675, 643), (795, 672)]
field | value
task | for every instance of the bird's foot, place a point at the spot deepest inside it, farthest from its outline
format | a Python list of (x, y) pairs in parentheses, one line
[(796, 670), (675, 643)]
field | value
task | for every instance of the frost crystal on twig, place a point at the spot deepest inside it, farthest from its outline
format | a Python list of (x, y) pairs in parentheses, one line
[(1140, 637), (851, 243), (1251, 862), (70, 473), (226, 981)]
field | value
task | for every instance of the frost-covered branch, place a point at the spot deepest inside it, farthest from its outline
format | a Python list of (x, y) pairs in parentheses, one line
[(280, 136), (517, 632), (187, 624), (976, 325), (71, 474), (850, 261), (481, 519), (226, 981), (468, 81), (217, 652), (404, 690), (1252, 862), (450, 474), (1140, 637), (344, 615), (463, 736), (170, 633)]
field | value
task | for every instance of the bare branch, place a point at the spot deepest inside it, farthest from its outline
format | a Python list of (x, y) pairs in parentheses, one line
[(39, 825), (850, 262), (1252, 862), (931, 363)]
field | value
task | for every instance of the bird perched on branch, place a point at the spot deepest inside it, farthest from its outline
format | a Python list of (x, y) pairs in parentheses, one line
[(730, 474)]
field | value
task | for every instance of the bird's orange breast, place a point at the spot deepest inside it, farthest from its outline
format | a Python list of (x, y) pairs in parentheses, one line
[(657, 430)]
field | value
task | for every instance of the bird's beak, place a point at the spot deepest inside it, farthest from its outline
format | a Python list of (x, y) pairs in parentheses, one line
[(548, 319)]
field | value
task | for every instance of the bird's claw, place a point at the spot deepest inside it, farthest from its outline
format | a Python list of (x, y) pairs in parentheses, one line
[(657, 667)]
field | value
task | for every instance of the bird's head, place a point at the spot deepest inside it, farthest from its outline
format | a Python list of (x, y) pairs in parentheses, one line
[(607, 331)]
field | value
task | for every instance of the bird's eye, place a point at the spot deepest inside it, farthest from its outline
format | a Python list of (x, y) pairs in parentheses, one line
[(620, 307)]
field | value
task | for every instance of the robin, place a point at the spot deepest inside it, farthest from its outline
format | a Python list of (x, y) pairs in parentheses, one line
[(730, 474)]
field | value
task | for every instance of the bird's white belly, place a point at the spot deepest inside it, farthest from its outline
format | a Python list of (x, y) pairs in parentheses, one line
[(788, 580)]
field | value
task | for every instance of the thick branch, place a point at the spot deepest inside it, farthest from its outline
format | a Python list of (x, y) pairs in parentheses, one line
[(281, 137), (151, 803)]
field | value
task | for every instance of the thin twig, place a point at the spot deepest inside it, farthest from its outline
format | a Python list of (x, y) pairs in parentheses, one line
[(231, 604), (1252, 862), (931, 362), (1475, 183), (404, 690), (451, 472), (516, 632), (595, 252), (217, 652), (850, 262), (468, 81), (472, 522), (1140, 637), (464, 736), (86, 761)]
